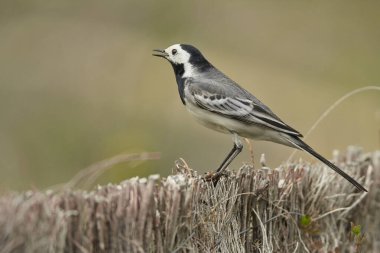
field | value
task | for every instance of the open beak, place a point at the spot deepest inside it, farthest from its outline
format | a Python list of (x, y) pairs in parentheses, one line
[(160, 53)]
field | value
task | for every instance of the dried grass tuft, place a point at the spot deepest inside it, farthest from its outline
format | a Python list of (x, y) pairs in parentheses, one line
[(296, 208)]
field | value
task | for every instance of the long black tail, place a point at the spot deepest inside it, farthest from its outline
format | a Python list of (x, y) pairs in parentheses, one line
[(302, 145)]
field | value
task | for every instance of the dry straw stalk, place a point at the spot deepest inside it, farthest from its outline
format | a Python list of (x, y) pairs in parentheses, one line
[(298, 207)]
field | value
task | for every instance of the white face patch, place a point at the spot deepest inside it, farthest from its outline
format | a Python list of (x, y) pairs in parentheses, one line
[(177, 55)]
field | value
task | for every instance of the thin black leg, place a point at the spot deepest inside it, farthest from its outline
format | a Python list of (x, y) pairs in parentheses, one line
[(236, 149), (230, 157), (222, 166)]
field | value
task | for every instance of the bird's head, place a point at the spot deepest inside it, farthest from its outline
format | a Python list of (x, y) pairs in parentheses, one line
[(182, 55)]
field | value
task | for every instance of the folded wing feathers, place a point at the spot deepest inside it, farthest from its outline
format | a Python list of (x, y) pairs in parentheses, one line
[(241, 109), (224, 105)]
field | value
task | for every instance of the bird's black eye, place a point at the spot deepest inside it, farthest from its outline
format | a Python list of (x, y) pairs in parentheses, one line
[(174, 51)]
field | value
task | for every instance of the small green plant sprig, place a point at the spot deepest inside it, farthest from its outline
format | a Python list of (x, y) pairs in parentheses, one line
[(357, 236)]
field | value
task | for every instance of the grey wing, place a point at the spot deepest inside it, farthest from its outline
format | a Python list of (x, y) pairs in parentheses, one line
[(232, 101)]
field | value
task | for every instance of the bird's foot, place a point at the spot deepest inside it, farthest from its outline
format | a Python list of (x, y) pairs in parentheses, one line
[(214, 177)]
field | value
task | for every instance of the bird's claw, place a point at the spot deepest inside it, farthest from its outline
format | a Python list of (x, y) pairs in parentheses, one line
[(214, 177)]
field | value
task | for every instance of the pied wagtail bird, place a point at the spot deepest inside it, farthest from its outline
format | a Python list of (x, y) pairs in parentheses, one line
[(219, 103)]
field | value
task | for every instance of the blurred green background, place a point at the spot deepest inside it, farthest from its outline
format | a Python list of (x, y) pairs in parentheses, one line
[(78, 83)]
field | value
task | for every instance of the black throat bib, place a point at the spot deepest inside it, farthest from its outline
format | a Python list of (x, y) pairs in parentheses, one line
[(179, 70)]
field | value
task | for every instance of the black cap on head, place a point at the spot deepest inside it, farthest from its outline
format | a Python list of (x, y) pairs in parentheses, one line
[(196, 57)]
